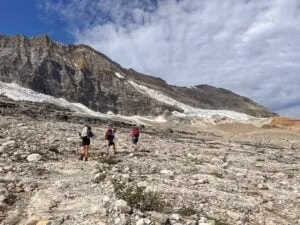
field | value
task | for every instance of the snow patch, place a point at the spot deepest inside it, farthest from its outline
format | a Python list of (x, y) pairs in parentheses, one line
[(59, 44), (140, 119), (110, 113), (18, 93), (189, 111), (160, 119), (119, 75)]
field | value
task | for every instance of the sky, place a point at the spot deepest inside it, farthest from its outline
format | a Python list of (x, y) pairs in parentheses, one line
[(26, 17), (251, 47)]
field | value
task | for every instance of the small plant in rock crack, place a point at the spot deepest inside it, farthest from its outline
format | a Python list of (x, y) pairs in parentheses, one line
[(187, 210), (110, 160), (137, 197), (10, 199), (53, 148), (218, 222), (218, 174), (258, 145), (197, 161)]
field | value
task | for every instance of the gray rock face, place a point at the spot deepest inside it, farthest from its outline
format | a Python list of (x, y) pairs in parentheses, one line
[(81, 74)]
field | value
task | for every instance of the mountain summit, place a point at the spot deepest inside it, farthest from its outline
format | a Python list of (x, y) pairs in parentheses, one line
[(79, 73)]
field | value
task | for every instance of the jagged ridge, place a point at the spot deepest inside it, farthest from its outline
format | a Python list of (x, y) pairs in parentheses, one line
[(78, 73)]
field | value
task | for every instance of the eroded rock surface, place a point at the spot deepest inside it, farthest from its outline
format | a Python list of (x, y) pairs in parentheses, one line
[(190, 176)]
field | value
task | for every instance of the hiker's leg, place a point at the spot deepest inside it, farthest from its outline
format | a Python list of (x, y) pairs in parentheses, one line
[(82, 153), (114, 147), (135, 141), (132, 143), (107, 150), (85, 151)]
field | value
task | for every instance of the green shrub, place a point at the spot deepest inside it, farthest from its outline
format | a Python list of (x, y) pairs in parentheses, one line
[(187, 211), (137, 197)]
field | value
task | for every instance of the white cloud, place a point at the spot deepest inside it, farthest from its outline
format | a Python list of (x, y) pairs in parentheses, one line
[(251, 47)]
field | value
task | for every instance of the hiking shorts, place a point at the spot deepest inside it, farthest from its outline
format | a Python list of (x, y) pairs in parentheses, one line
[(135, 140), (111, 142), (86, 141)]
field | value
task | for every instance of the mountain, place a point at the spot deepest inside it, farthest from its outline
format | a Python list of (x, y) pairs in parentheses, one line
[(80, 74)]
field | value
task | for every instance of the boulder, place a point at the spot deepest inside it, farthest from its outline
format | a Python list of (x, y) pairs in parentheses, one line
[(122, 206), (34, 157), (99, 177)]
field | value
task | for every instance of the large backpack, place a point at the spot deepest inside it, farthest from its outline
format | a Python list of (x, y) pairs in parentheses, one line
[(84, 132), (108, 134), (136, 132)]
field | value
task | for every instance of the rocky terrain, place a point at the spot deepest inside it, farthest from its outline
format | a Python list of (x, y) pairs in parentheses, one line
[(213, 170), (227, 174), (78, 73)]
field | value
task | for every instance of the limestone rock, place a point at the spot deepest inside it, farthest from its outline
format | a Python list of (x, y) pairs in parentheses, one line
[(167, 173), (143, 221), (159, 217), (99, 177), (122, 206), (34, 158), (175, 217)]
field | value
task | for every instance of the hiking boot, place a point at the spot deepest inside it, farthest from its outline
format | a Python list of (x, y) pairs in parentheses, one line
[(81, 157), (86, 159)]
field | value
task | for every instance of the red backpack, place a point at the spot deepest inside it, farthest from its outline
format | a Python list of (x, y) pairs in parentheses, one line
[(136, 132), (108, 134)]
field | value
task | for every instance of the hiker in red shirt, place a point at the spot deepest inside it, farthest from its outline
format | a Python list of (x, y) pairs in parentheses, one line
[(135, 134), (110, 136)]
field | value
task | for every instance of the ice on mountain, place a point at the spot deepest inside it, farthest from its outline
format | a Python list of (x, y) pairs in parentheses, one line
[(189, 111), (119, 75)]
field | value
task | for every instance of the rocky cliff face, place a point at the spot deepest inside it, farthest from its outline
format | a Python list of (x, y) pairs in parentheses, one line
[(78, 73)]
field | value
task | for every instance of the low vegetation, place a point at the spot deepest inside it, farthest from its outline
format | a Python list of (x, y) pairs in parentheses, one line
[(137, 197)]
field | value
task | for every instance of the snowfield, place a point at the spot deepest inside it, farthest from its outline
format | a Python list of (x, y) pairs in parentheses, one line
[(18, 93), (189, 111), (119, 75)]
